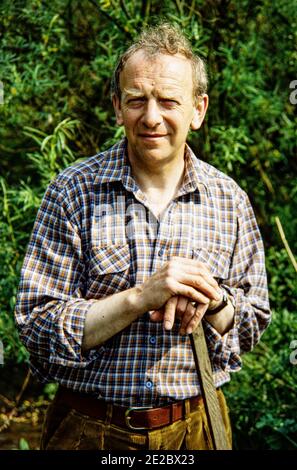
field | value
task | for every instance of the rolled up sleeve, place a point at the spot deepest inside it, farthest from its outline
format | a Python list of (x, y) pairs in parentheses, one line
[(50, 310), (247, 285)]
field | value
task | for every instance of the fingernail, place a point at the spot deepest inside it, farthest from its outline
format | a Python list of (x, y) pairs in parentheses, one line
[(189, 330), (167, 325)]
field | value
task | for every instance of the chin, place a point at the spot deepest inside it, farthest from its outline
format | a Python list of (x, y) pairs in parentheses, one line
[(155, 154), (151, 153)]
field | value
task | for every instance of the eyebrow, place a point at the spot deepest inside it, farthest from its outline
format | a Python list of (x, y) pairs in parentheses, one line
[(128, 93), (132, 92)]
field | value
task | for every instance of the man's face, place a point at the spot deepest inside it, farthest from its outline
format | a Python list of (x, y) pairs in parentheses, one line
[(157, 107)]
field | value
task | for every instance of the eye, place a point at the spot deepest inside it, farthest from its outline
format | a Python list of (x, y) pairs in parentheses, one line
[(168, 102), (136, 101)]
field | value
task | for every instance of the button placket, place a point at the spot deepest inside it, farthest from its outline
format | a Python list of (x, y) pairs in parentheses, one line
[(165, 233)]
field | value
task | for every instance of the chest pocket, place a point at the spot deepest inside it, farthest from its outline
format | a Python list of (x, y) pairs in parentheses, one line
[(218, 261), (109, 270)]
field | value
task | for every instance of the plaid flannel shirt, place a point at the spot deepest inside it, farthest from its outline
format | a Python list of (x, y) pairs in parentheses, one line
[(95, 236)]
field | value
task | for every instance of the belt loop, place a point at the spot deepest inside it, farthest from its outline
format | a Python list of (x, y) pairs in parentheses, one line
[(174, 413), (106, 428), (187, 408), (188, 419), (109, 413)]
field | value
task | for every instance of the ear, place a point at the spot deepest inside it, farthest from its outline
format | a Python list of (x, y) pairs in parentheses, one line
[(199, 112), (117, 109)]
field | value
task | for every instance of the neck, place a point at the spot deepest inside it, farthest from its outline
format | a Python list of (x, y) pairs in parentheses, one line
[(161, 178)]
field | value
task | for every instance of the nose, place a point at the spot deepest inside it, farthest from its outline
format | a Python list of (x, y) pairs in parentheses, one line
[(151, 116)]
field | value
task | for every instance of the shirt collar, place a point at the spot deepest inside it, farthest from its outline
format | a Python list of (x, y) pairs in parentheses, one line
[(116, 167), (195, 176)]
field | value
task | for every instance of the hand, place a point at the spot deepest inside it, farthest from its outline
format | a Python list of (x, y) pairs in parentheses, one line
[(180, 307), (179, 277)]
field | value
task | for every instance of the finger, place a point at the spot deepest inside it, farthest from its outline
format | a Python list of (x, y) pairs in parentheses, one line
[(181, 306), (195, 267), (186, 318), (169, 312), (196, 318), (202, 284), (178, 288), (196, 274)]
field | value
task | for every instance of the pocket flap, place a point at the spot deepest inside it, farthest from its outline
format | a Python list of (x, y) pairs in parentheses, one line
[(110, 259), (218, 262)]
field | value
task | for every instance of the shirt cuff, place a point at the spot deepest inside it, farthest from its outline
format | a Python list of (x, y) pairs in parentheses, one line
[(66, 338), (224, 351)]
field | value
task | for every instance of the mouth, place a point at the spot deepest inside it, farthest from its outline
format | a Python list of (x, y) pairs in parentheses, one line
[(152, 136)]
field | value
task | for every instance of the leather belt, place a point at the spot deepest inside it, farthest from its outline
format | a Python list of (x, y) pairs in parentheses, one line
[(139, 418)]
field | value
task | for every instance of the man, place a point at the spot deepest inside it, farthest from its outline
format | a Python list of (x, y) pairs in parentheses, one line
[(131, 249)]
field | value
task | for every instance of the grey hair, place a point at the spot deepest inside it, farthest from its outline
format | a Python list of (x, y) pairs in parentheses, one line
[(163, 39)]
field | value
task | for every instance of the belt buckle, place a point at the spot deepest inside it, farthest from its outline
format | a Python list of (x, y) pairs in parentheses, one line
[(127, 417)]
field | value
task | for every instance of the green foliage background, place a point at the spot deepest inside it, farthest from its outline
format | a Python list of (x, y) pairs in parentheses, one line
[(56, 60)]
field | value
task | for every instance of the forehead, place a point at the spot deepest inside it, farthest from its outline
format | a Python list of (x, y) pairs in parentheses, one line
[(164, 70)]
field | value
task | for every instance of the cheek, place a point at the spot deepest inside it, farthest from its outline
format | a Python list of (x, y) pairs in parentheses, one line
[(182, 117), (181, 124), (130, 118)]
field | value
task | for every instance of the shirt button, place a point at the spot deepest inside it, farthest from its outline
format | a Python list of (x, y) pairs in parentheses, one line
[(149, 384), (152, 339), (161, 252)]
